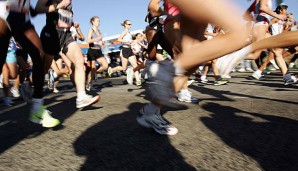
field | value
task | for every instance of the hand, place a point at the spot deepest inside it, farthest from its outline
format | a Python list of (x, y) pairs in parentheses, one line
[(99, 38), (65, 3), (282, 17)]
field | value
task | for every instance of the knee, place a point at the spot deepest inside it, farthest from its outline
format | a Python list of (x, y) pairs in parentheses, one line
[(105, 66)]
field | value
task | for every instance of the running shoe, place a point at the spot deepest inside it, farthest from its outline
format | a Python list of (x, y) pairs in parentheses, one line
[(256, 75), (221, 81), (156, 122), (289, 79), (291, 65), (88, 87), (185, 96), (87, 100), (138, 83), (204, 79), (190, 82), (43, 117), (110, 71), (249, 69), (160, 84), (15, 92), (241, 70), (55, 90), (129, 75)]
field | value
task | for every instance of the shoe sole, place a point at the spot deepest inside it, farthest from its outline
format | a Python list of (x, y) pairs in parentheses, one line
[(91, 103), (181, 100)]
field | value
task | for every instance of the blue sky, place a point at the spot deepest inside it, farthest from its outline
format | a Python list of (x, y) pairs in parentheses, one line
[(113, 12)]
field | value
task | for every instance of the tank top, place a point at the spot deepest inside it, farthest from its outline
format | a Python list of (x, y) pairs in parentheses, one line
[(277, 27), (127, 39), (95, 45)]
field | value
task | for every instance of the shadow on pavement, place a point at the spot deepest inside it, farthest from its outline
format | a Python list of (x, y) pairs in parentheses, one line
[(119, 143), (15, 125), (220, 95), (271, 140)]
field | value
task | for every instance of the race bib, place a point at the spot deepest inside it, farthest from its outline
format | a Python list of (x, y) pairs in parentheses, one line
[(21, 6), (65, 18)]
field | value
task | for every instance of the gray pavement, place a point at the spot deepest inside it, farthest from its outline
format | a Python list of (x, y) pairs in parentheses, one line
[(245, 125)]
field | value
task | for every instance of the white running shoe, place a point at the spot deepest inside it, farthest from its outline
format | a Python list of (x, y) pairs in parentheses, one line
[(190, 82), (87, 100), (249, 69), (129, 75), (291, 65), (204, 79), (241, 70), (256, 75), (55, 90), (185, 96), (15, 92)]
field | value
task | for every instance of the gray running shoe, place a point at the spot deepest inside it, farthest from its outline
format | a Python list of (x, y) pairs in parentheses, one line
[(156, 122), (289, 79)]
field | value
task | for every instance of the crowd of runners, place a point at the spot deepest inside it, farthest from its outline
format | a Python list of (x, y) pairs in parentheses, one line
[(178, 42)]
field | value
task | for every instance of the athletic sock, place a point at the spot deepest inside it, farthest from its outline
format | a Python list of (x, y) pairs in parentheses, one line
[(81, 94)]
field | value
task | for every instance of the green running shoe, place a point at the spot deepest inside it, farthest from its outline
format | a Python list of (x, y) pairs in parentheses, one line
[(43, 117)]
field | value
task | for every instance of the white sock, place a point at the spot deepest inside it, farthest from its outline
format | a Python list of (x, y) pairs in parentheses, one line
[(81, 94)]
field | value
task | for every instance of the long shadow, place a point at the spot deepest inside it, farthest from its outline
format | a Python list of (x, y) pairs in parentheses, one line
[(272, 142), (220, 95), (119, 143), (15, 126)]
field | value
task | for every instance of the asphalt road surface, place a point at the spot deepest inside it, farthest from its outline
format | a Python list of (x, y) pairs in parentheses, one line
[(245, 125)]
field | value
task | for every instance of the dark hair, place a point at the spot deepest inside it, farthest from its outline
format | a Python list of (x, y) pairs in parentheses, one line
[(124, 22), (93, 18), (280, 7)]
